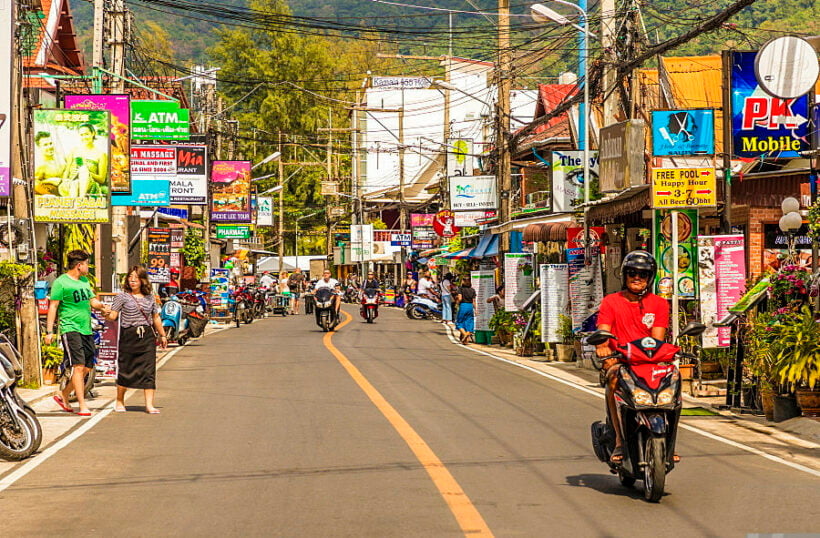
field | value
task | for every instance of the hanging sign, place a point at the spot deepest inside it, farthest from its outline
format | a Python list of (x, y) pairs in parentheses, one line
[(679, 188), (227, 231), (483, 283), (686, 286), (145, 192), (159, 255), (475, 218), (361, 242), (568, 178), (518, 280), (468, 193), (119, 107), (71, 165), (231, 191), (554, 299), (159, 120), (400, 239), (445, 224), (683, 132), (421, 225), (190, 183), (264, 211)]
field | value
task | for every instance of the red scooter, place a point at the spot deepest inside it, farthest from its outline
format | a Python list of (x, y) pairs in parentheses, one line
[(648, 396), (370, 299)]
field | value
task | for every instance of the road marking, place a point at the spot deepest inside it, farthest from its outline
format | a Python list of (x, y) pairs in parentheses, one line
[(468, 518), (600, 395), (25, 468)]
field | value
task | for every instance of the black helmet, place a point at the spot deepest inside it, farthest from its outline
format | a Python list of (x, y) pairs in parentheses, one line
[(639, 260)]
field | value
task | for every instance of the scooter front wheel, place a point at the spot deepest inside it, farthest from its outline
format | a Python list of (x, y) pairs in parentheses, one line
[(655, 470), (17, 443)]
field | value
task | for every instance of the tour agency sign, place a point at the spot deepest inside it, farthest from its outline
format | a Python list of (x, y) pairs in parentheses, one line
[(470, 193), (71, 164), (763, 125)]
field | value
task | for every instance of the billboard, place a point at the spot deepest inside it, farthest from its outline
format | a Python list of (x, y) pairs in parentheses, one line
[(683, 132), (763, 125), (7, 33), (159, 120), (678, 188), (568, 178), (190, 185), (469, 193), (231, 188), (622, 163), (71, 165), (119, 107)]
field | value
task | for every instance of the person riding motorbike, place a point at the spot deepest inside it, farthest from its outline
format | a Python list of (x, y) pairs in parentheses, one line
[(630, 314), (328, 282), (371, 282)]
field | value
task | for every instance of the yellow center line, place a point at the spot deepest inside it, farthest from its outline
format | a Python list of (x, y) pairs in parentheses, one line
[(466, 515)]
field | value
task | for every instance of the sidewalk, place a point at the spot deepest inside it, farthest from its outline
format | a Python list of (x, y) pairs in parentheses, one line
[(797, 439)]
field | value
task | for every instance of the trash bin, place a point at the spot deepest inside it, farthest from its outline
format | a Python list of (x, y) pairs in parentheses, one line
[(484, 337)]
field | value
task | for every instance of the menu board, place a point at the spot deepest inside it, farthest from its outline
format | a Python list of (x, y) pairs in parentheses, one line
[(686, 286), (554, 299), (586, 288), (518, 280), (220, 292), (722, 270), (109, 346), (484, 285)]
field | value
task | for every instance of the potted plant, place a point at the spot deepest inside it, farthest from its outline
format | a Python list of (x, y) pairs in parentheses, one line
[(760, 344), (52, 357), (501, 323), (797, 361), (565, 350)]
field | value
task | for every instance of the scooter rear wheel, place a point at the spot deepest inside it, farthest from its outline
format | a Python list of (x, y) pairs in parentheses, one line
[(17, 444)]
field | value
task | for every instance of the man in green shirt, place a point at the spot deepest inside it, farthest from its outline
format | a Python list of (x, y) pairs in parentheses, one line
[(72, 299)]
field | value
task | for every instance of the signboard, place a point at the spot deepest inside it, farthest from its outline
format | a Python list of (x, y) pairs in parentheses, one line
[(71, 163), (445, 224), (575, 237), (159, 120), (421, 225), (483, 283), (159, 255), (686, 286), (233, 232), (175, 211), (763, 125), (469, 193), (586, 287), (190, 184), (400, 239), (231, 191), (7, 24), (776, 246), (145, 192), (568, 178), (361, 242), (264, 211), (475, 218), (683, 132), (816, 122), (722, 274), (119, 107), (406, 83), (108, 347), (518, 280), (679, 188), (220, 292), (622, 163), (554, 300), (177, 236), (460, 157)]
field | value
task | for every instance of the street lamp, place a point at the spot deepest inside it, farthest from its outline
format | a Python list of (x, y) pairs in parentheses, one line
[(266, 160), (791, 221), (541, 14)]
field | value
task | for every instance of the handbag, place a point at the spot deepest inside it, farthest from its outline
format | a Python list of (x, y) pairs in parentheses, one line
[(151, 325)]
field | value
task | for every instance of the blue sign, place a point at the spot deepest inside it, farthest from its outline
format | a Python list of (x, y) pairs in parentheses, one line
[(683, 132), (174, 212), (762, 125), (145, 192), (401, 240)]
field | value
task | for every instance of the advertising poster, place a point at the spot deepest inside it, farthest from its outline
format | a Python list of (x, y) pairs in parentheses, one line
[(682, 188), (554, 300), (475, 218), (159, 120), (683, 132), (424, 235), (159, 255), (708, 290), (586, 288), (445, 224), (575, 237), (686, 286), (470, 193), (568, 178), (763, 125), (264, 211), (460, 157), (518, 280), (190, 184), (231, 191), (220, 292), (71, 165), (776, 246), (722, 267), (109, 344), (6, 38), (484, 285), (119, 106)]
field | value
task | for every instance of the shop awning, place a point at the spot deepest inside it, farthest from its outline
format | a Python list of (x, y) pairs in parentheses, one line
[(630, 200), (487, 246), (492, 249), (431, 252), (543, 232), (460, 255)]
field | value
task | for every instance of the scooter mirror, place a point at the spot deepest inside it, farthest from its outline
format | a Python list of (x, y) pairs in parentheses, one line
[(692, 329), (599, 337)]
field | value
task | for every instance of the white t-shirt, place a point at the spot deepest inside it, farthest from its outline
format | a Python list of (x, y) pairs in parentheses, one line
[(321, 283), (267, 281), (425, 285), (445, 288)]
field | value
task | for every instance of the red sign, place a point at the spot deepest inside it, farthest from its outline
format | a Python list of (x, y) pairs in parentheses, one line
[(445, 224), (575, 237)]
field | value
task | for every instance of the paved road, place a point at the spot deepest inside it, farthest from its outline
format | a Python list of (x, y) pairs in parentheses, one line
[(265, 432)]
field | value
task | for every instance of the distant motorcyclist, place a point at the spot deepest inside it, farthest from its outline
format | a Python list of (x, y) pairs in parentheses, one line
[(630, 314), (329, 282), (371, 282)]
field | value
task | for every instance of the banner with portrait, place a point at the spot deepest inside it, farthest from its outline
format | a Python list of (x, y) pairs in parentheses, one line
[(71, 165), (231, 191)]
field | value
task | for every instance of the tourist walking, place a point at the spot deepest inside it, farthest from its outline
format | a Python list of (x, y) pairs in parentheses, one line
[(140, 326), (296, 284), (447, 299), (465, 322)]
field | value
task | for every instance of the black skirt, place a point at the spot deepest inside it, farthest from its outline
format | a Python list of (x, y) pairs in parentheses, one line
[(137, 359)]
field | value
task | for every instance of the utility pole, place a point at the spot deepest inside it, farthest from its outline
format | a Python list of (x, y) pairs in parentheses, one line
[(402, 205), (503, 117), (281, 205), (329, 166), (610, 59), (28, 334), (444, 186), (119, 214)]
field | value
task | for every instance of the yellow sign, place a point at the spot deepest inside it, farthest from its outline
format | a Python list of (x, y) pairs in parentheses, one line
[(679, 188)]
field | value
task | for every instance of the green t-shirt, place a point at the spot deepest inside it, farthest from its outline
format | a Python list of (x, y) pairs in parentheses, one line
[(75, 305)]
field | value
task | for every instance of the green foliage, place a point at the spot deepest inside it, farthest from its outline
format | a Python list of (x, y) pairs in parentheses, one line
[(13, 278), (502, 322), (193, 248), (797, 347), (759, 341), (565, 332), (379, 224), (52, 354)]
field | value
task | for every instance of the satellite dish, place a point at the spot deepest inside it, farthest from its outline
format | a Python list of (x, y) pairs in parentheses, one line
[(787, 67)]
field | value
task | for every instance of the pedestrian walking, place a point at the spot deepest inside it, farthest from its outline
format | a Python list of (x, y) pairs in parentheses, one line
[(465, 322), (140, 326), (296, 284), (408, 288), (447, 299), (71, 300)]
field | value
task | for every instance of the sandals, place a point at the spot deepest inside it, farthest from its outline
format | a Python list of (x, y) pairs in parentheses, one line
[(617, 456), (62, 404)]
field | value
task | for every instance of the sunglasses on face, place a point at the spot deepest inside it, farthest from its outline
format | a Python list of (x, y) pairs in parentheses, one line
[(632, 273)]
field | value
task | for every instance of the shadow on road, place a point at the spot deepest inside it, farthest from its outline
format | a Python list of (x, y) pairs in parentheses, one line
[(604, 483)]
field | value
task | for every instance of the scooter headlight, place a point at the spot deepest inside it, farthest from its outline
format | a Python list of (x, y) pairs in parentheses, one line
[(641, 397), (666, 397)]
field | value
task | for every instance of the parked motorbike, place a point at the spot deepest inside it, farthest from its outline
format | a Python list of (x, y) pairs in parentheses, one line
[(351, 294), (423, 308), (242, 301), (184, 316), (326, 316), (648, 396), (20, 431), (259, 301), (370, 300)]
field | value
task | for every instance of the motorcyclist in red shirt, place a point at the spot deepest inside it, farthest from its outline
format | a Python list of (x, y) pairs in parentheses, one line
[(630, 314)]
